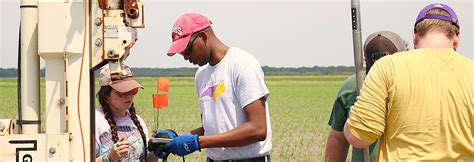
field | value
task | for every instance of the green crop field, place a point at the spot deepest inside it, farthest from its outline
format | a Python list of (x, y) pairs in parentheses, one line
[(299, 110)]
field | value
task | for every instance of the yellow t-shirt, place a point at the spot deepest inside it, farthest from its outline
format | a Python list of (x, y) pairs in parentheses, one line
[(420, 104)]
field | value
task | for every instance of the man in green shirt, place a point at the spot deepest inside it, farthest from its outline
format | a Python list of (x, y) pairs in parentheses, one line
[(377, 45)]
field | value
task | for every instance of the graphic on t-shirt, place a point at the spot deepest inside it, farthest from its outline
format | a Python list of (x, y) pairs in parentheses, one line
[(129, 134), (214, 91)]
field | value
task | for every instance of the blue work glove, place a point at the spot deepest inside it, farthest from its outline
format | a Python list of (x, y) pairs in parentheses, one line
[(163, 133), (183, 145)]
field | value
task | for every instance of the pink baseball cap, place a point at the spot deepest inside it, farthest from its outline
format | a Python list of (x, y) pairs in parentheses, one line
[(183, 28)]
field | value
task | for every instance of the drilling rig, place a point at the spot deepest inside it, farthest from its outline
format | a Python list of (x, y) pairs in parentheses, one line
[(74, 38)]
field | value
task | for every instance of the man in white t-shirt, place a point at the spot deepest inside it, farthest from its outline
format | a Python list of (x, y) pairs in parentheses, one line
[(232, 96)]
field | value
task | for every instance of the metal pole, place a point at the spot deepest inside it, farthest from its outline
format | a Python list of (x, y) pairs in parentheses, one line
[(30, 78), (357, 44)]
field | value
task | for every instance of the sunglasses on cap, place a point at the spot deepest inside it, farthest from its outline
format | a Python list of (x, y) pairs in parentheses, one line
[(132, 92), (189, 47)]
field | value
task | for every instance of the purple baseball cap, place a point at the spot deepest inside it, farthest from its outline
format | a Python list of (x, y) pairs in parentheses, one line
[(425, 15)]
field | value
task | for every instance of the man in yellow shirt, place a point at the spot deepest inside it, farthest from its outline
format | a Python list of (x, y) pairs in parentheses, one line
[(377, 45), (419, 103)]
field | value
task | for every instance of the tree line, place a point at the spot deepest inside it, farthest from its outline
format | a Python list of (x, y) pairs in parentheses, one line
[(183, 72)]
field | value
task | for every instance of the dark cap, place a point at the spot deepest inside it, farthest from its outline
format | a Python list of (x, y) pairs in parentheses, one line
[(383, 43)]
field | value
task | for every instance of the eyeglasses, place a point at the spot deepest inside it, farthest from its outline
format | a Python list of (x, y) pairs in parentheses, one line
[(132, 92), (189, 47)]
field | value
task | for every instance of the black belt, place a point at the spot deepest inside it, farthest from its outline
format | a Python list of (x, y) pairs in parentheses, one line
[(265, 158)]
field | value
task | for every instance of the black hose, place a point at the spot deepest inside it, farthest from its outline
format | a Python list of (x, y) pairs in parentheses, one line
[(19, 80), (144, 143)]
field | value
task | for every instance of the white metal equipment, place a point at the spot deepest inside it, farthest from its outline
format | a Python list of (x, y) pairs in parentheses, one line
[(75, 38)]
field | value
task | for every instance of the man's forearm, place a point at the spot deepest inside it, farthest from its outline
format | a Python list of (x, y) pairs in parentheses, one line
[(253, 130), (336, 147), (240, 136)]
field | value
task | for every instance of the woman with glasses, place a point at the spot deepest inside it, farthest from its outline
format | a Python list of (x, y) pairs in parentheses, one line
[(120, 134)]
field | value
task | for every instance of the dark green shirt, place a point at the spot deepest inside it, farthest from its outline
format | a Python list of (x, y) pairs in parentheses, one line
[(340, 112)]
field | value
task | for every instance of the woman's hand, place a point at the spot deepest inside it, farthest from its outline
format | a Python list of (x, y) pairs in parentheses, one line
[(118, 151)]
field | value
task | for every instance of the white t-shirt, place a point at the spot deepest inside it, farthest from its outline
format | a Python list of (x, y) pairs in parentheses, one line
[(223, 91)]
